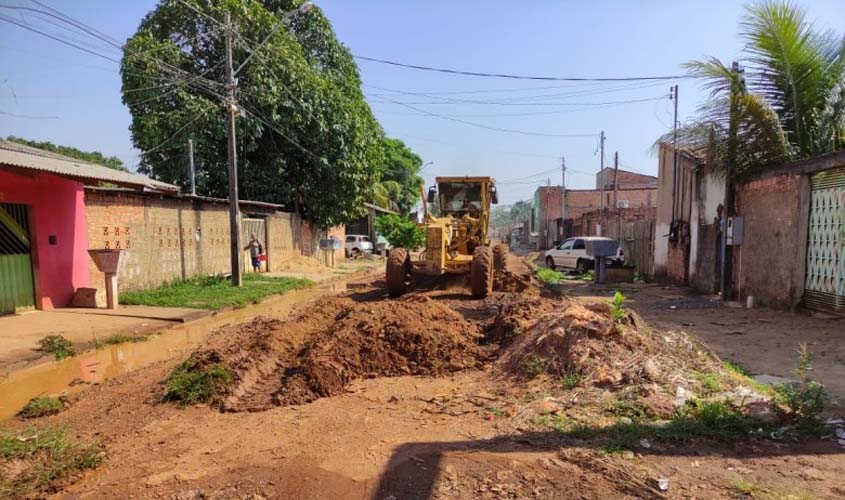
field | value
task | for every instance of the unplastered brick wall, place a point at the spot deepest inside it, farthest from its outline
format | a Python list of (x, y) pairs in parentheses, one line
[(168, 237)]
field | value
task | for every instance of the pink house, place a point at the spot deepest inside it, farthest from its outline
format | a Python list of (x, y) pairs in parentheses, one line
[(43, 231)]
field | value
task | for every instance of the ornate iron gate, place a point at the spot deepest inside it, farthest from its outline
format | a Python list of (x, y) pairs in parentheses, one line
[(16, 285), (824, 288)]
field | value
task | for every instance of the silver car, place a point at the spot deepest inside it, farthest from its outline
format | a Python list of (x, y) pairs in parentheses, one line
[(358, 245)]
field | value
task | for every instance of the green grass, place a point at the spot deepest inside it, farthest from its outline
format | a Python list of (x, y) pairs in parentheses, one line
[(48, 456), (189, 384), (56, 345), (41, 407), (213, 292), (549, 276), (571, 380), (534, 366), (122, 339), (709, 382)]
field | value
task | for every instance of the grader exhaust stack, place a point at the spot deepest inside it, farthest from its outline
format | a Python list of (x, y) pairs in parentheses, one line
[(455, 238)]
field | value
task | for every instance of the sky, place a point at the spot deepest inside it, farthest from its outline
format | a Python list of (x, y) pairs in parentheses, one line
[(49, 91)]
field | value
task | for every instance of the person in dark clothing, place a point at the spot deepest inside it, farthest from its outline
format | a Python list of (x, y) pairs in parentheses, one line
[(256, 250)]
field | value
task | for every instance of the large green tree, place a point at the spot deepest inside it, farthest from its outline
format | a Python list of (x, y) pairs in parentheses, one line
[(399, 185), (89, 156), (306, 137), (787, 102)]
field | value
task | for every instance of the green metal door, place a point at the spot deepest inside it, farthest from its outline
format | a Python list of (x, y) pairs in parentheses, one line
[(824, 288), (16, 286)]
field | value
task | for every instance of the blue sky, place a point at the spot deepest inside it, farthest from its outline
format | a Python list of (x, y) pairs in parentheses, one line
[(42, 78)]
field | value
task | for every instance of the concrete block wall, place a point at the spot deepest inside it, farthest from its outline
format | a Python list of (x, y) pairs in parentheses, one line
[(168, 238)]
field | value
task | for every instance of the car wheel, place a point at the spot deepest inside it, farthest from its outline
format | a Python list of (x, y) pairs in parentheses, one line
[(581, 266), (356, 253), (550, 262)]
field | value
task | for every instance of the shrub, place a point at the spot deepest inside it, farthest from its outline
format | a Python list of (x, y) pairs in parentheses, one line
[(571, 380), (41, 406), (804, 400), (400, 232), (56, 345), (189, 383), (549, 276), (616, 306), (534, 366)]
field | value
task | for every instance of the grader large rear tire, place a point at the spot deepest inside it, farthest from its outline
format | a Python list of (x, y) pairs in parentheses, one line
[(500, 257), (481, 272), (396, 272)]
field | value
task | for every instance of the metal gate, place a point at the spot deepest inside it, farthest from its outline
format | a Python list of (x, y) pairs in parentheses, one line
[(824, 288), (258, 228), (16, 287)]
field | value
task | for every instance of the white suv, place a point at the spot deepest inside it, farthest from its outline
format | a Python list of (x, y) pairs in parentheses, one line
[(357, 245), (572, 253)]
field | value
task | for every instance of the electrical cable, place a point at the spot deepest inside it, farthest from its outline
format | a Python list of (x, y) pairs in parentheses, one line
[(518, 77)]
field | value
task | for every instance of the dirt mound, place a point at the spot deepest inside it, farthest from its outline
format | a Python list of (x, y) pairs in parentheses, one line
[(517, 315), (339, 340), (509, 281), (371, 339), (587, 342)]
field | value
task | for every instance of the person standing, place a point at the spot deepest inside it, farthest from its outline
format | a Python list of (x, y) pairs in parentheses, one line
[(256, 250)]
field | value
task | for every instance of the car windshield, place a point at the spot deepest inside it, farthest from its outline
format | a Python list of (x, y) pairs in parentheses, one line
[(460, 197), (365, 238)]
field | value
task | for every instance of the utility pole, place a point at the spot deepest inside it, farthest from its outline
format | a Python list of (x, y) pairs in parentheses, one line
[(231, 112), (192, 175), (562, 198), (601, 184), (674, 97), (615, 179), (737, 86), (549, 239)]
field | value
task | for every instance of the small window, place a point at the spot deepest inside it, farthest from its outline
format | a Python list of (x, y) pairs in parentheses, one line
[(350, 239), (567, 245), (579, 245), (365, 238)]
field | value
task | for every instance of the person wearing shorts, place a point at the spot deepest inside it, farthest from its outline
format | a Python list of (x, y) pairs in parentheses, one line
[(255, 251)]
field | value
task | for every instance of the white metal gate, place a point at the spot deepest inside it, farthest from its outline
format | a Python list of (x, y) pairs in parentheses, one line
[(824, 288)]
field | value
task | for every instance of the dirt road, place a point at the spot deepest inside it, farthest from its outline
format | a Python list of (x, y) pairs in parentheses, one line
[(313, 417)]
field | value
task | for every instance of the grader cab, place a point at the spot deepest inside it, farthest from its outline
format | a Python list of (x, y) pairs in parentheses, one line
[(455, 237)]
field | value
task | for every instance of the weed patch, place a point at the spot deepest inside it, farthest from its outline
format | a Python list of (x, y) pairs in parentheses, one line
[(122, 339), (709, 382), (617, 310), (56, 345), (534, 366), (47, 458), (189, 383), (803, 401), (41, 406), (571, 380), (213, 292), (549, 276)]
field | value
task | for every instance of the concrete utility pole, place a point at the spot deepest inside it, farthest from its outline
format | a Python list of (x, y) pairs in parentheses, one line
[(192, 174), (601, 184), (615, 179), (562, 198), (737, 85), (674, 97), (549, 239), (231, 112)]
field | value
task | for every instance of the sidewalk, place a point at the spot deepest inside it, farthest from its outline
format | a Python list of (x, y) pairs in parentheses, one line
[(20, 333)]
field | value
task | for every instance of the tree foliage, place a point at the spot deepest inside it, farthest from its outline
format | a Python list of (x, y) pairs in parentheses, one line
[(399, 186), (89, 156), (788, 102), (400, 231), (504, 216), (306, 139)]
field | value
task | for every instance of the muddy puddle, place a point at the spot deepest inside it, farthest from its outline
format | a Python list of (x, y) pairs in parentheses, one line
[(74, 374)]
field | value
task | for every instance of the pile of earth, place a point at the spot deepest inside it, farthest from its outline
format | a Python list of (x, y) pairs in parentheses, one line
[(319, 352)]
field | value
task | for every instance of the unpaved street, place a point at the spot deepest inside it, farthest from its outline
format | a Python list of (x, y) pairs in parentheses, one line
[(413, 398)]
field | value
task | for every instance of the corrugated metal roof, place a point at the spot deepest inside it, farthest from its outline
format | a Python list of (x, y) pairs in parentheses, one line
[(19, 155)]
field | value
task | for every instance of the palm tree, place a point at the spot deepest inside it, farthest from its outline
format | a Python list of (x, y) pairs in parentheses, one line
[(386, 193), (789, 102)]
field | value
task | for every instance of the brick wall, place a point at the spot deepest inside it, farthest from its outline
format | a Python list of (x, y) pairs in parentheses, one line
[(769, 263), (581, 201), (167, 237), (625, 179)]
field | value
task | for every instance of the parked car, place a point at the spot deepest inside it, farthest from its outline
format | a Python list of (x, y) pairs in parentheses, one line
[(358, 245), (572, 253)]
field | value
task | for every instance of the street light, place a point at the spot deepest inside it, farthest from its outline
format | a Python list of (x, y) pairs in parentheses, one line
[(427, 164)]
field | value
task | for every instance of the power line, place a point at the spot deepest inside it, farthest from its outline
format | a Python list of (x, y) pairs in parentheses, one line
[(29, 117), (487, 127), (71, 44), (518, 77)]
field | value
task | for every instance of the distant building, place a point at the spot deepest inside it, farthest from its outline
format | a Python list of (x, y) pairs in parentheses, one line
[(633, 190)]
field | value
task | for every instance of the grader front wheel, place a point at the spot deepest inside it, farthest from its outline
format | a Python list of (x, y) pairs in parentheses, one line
[(396, 272), (500, 257), (481, 272)]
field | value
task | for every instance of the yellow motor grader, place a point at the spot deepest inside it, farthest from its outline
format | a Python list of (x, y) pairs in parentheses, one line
[(455, 238)]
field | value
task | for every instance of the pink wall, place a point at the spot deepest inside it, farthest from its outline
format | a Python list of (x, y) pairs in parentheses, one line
[(57, 208)]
